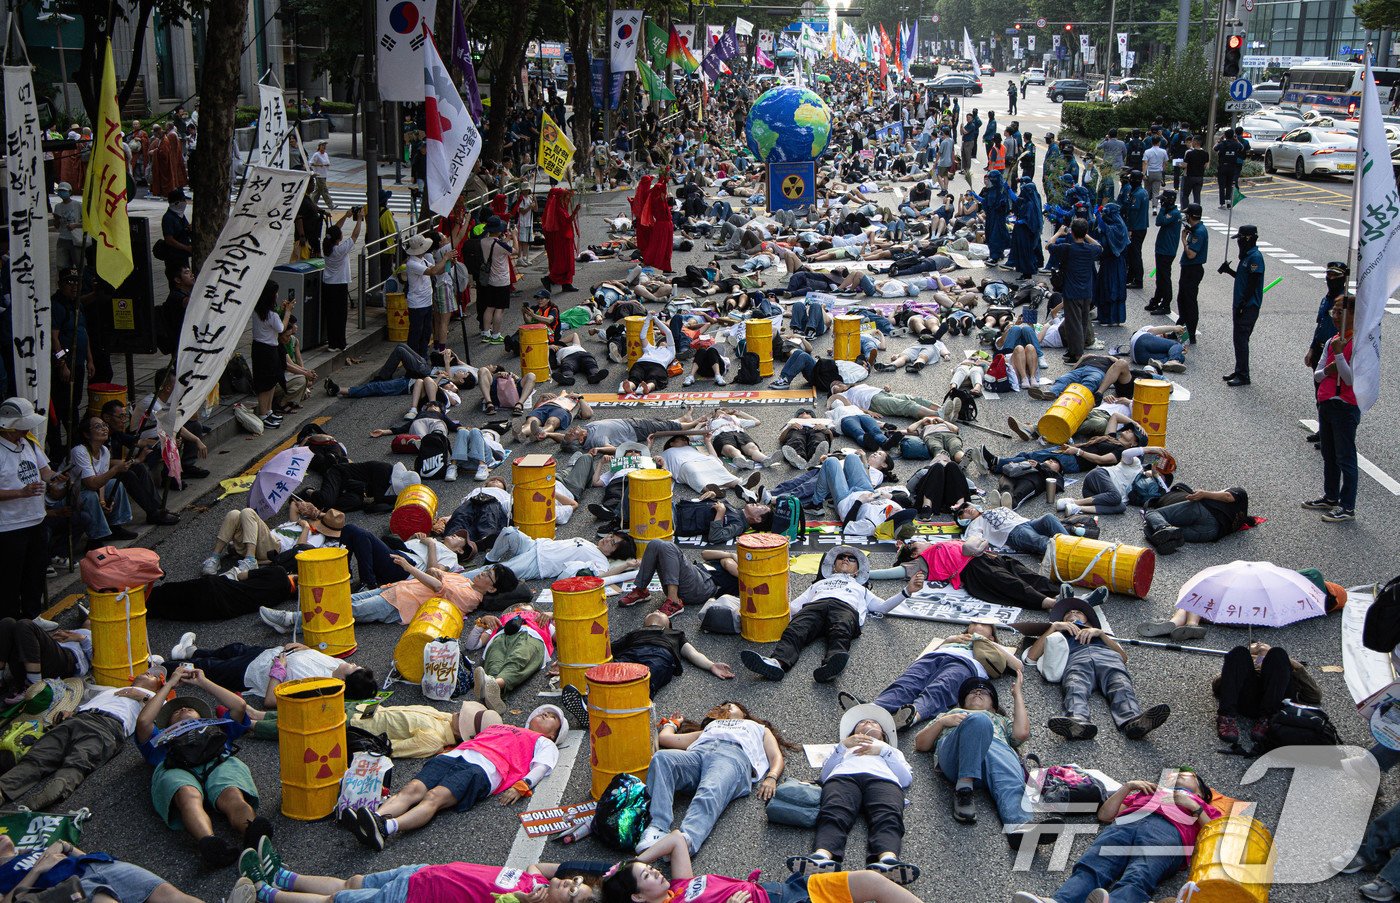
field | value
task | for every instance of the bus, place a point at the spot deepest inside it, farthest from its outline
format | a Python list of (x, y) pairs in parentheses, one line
[(1335, 87)]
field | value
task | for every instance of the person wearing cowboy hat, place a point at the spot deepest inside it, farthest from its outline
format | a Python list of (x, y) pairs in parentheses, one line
[(865, 773), (496, 759), (833, 608), (1091, 658), (419, 272), (320, 172), (25, 476), (168, 726), (494, 284)]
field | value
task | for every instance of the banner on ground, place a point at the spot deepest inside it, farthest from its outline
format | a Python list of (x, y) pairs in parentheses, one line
[(252, 242), (104, 194), (1376, 242), (403, 28), (28, 197), (271, 148), (556, 150), (626, 30), (453, 141)]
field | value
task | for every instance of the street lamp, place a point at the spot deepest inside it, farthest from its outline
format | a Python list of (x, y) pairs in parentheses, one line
[(59, 20)]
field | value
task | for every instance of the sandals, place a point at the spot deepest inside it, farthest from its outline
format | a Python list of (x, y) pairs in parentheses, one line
[(488, 408), (518, 409)]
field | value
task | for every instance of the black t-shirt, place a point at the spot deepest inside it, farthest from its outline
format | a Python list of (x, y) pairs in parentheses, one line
[(1228, 152), (218, 598), (1196, 160), (668, 640), (1229, 515), (1104, 445), (1133, 156)]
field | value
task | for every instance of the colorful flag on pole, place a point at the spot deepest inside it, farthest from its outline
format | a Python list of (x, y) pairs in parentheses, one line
[(1375, 240), (626, 30), (556, 151), (453, 141), (653, 84), (657, 41), (911, 44), (400, 47), (104, 195), (763, 59), (886, 48), (679, 54)]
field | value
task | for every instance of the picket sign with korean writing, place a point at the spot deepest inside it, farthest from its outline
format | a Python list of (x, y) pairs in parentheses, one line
[(365, 783), (272, 147), (252, 242), (29, 242)]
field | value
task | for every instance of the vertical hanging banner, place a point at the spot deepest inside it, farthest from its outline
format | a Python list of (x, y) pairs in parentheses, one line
[(1375, 241), (400, 52), (104, 194), (461, 57), (595, 73), (271, 147), (30, 315), (453, 141), (1122, 42), (252, 242), (626, 32), (765, 39), (1084, 45), (1030, 43)]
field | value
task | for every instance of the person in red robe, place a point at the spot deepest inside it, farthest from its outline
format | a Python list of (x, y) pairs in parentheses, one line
[(173, 159), (560, 225), (638, 203), (155, 171), (657, 250)]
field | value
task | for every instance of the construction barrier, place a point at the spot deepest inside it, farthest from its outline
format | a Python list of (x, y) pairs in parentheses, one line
[(758, 338), (1091, 563), (846, 344), (435, 619), (323, 593), (649, 512), (1151, 398), (414, 511), (621, 737), (1064, 418), (396, 316), (120, 648), (1233, 861), (580, 628), (311, 745), (534, 350), (763, 586), (532, 494)]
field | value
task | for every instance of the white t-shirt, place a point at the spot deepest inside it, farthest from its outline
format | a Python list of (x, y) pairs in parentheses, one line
[(120, 707), (302, 663), (1155, 158), (337, 271), (267, 330), (661, 354), (695, 468), (860, 395), (21, 465), (321, 164), (1125, 471), (995, 525), (747, 735), (85, 466), (418, 553), (888, 764), (70, 220), (839, 412), (420, 285), (497, 262), (566, 557)]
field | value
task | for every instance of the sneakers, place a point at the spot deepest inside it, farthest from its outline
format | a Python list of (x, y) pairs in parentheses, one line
[(575, 705), (764, 666), (964, 806), (1380, 890), (1147, 722), (1174, 367), (451, 475), (483, 473), (185, 648), (1025, 896), (1320, 504), (246, 564), (1015, 426), (211, 565), (215, 852), (1227, 728), (1339, 515), (897, 870), (410, 414), (831, 667), (811, 865), (1350, 865), (634, 596), (490, 690), (848, 700), (779, 383), (279, 620), (794, 459), (650, 838), (272, 421), (905, 716), (332, 388), (671, 607), (369, 828), (720, 380)]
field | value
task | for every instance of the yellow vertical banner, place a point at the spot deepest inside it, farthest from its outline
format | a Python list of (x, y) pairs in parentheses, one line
[(104, 195), (556, 150)]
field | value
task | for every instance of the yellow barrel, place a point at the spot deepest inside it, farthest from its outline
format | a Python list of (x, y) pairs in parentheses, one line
[(533, 495), (323, 592), (311, 745), (1233, 861), (435, 619), (414, 511), (120, 650), (763, 586), (620, 733), (1151, 398), (649, 514), (534, 350), (847, 338), (1091, 563), (396, 316), (101, 393), (1066, 415), (580, 628), (634, 337), (758, 338)]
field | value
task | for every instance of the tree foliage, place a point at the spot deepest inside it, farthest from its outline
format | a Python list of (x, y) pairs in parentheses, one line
[(1376, 15), (218, 97)]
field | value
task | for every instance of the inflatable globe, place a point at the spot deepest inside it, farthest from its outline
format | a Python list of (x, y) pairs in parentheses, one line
[(788, 125)]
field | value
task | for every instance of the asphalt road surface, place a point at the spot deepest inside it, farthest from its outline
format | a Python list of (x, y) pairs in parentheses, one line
[(1223, 437)]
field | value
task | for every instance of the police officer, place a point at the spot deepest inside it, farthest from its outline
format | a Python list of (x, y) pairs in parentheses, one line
[(1248, 298), (1338, 273), (1229, 157), (1135, 215), (1196, 244), (1168, 241)]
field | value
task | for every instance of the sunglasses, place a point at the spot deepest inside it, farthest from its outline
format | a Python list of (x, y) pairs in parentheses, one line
[(844, 557)]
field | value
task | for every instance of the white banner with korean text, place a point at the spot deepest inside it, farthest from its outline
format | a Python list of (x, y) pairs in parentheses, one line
[(28, 198), (273, 147), (252, 242)]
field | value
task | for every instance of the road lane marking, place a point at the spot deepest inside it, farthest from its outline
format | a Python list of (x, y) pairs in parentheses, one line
[(525, 850), (1380, 476)]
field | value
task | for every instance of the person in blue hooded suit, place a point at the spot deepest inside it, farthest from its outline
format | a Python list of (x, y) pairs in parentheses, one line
[(1111, 290), (996, 204), (1027, 253)]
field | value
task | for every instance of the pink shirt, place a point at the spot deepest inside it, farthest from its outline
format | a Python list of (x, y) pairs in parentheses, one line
[(945, 561), (467, 882), (1161, 803), (714, 889)]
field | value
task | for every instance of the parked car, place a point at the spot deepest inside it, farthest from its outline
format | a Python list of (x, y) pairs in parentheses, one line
[(1035, 76), (1135, 85), (1062, 89), (1353, 126), (1312, 151), (1268, 92), (959, 83), (1261, 129)]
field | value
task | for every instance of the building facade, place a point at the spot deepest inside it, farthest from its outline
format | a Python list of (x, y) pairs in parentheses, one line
[(1317, 29)]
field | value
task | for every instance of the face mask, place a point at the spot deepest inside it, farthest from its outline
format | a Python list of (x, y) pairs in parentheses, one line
[(964, 521)]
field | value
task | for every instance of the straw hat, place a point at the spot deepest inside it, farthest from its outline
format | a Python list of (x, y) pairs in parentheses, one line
[(867, 712), (182, 702)]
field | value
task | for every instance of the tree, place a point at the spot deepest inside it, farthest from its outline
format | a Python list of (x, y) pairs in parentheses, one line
[(1377, 15), (345, 29), (218, 95), (582, 16), (505, 84)]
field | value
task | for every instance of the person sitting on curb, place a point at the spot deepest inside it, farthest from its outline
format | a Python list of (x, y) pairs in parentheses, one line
[(685, 583), (834, 608), (259, 669), (33, 874), (1155, 822), (515, 647), (718, 760), (865, 773), (1093, 659), (180, 739), (497, 759)]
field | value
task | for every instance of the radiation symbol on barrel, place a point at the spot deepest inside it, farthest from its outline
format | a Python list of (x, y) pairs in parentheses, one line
[(311, 756), (599, 731), (548, 501), (749, 606), (793, 186), (330, 616), (662, 525)]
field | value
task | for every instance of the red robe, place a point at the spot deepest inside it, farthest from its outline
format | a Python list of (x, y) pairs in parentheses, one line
[(657, 250), (639, 204), (560, 225)]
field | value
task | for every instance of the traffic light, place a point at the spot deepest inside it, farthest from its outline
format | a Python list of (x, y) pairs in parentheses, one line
[(1234, 46), (1018, 26), (1069, 27)]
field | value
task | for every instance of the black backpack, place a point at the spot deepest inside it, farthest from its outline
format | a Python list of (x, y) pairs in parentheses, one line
[(357, 739), (824, 373), (1295, 724), (968, 414), (238, 377), (747, 374), (622, 813), (473, 258), (197, 748), (484, 516), (434, 455)]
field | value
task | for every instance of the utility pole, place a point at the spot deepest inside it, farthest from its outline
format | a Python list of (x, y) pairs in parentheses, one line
[(369, 92), (1112, 47), (1183, 24), (1216, 61)]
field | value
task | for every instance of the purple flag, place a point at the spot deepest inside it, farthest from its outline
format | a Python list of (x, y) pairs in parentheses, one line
[(461, 58)]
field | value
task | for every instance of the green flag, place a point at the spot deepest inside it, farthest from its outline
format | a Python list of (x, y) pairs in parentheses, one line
[(1239, 196), (657, 39), (655, 87)]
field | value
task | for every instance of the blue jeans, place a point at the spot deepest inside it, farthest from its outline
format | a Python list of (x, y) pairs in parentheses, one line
[(1088, 377), (972, 750), (864, 430), (1128, 879), (1068, 463), (372, 557), (370, 607), (470, 446), (800, 363), (803, 486), (381, 388), (805, 315), (381, 887), (930, 684), (836, 479), (718, 773), (1382, 837), (867, 286), (1155, 347), (1019, 335), (1336, 427), (1033, 537), (414, 364), (100, 522), (721, 210)]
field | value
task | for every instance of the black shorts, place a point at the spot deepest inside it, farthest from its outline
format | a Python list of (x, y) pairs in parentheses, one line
[(494, 296), (649, 372), (267, 367), (736, 438), (466, 782)]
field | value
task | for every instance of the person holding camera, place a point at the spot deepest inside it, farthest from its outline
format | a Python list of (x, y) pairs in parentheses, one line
[(335, 278)]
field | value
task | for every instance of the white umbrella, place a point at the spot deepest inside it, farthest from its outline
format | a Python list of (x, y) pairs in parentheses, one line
[(278, 479), (1254, 593)]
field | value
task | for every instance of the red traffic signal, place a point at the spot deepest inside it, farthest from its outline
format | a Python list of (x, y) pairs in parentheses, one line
[(1069, 27), (1232, 65), (1234, 42)]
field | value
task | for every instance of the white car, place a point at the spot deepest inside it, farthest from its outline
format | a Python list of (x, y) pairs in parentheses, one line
[(1312, 151), (1268, 92), (1352, 126), (1035, 76), (1261, 129)]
